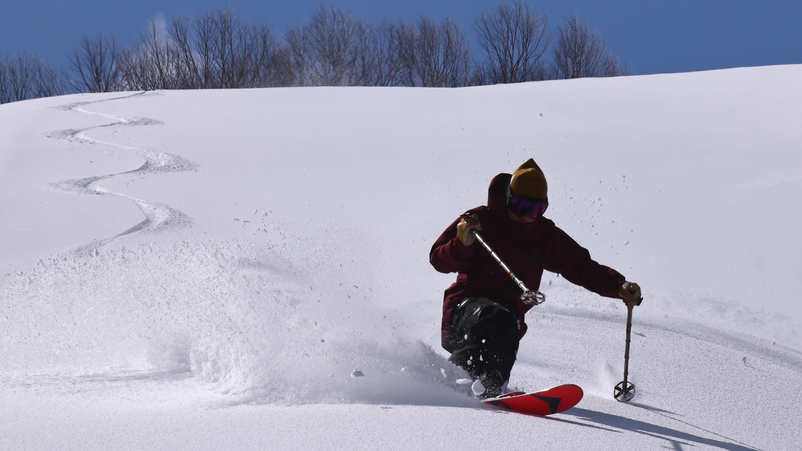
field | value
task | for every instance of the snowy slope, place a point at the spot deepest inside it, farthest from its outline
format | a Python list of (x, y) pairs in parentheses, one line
[(205, 269)]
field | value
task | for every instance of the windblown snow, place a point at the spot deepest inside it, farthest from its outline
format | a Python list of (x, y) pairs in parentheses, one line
[(249, 269)]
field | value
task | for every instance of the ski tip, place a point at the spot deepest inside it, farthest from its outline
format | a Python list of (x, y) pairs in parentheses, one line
[(545, 402), (576, 389)]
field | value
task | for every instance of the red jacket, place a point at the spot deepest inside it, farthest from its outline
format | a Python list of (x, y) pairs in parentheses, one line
[(527, 249)]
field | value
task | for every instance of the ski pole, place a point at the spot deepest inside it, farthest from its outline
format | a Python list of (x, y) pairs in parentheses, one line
[(527, 296), (625, 390)]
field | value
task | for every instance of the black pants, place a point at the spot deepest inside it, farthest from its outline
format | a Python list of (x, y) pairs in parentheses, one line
[(483, 341)]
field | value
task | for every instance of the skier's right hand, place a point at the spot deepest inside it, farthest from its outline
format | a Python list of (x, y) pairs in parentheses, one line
[(465, 228)]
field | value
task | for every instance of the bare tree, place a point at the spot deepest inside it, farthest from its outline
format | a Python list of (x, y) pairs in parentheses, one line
[(95, 65), (219, 50), (3, 81), (28, 77), (336, 49), (456, 55), (614, 68), (20, 79), (367, 56), (233, 49), (204, 50), (220, 54), (406, 36), (385, 51), (432, 55), (299, 55), (332, 39), (426, 55), (514, 39), (378, 53), (373, 56), (190, 60), (153, 63), (49, 81), (582, 52), (272, 65)]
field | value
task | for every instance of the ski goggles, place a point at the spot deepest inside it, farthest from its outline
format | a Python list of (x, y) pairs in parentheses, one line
[(527, 206)]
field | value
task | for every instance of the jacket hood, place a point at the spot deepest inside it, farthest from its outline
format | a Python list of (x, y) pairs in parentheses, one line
[(497, 193)]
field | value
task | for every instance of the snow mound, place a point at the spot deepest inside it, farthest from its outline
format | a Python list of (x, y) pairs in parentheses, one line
[(241, 316)]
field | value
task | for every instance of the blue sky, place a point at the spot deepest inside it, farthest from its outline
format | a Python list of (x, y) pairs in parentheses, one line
[(651, 36)]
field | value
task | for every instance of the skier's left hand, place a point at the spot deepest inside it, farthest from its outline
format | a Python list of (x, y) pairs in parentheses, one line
[(630, 293)]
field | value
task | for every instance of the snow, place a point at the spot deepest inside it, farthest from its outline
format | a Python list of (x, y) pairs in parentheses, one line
[(215, 269)]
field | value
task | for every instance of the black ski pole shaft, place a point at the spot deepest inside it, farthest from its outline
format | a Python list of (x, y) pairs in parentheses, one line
[(625, 390), (629, 339)]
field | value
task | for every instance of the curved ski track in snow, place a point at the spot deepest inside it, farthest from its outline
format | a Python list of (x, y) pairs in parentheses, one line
[(158, 217)]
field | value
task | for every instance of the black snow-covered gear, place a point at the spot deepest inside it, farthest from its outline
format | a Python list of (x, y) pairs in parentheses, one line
[(484, 342)]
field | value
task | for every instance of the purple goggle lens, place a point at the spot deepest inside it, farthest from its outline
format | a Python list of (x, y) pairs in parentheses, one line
[(522, 206)]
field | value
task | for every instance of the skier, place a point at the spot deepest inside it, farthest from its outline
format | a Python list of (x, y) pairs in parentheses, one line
[(483, 315)]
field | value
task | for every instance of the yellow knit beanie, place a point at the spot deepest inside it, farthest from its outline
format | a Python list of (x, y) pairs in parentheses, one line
[(528, 181)]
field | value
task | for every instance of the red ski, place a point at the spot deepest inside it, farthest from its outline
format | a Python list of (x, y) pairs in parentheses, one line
[(545, 402)]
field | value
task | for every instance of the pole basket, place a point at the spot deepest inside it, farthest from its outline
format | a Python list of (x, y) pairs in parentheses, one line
[(624, 391), (533, 297)]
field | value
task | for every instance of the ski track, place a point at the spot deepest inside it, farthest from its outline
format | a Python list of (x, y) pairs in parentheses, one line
[(158, 217)]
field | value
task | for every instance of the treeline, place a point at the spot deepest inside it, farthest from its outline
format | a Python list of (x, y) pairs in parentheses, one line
[(334, 48)]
